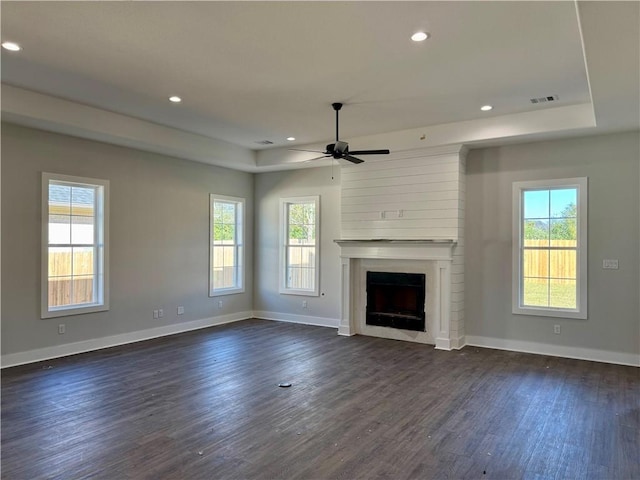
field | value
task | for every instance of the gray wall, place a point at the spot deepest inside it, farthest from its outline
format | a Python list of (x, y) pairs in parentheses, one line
[(159, 237), (611, 162), (269, 188)]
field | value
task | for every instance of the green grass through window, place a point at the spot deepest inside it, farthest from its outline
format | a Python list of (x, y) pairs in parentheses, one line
[(559, 295)]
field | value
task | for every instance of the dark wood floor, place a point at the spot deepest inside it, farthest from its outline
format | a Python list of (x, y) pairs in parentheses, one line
[(206, 405)]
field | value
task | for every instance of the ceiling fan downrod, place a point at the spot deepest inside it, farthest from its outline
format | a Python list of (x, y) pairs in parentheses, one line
[(337, 106)]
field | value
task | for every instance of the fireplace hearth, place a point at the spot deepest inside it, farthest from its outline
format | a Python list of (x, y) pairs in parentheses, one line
[(396, 300)]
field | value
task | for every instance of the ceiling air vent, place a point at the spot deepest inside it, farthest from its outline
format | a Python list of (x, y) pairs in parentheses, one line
[(264, 142), (547, 99)]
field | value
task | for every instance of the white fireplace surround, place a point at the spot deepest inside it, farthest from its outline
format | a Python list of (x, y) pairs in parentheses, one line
[(434, 258)]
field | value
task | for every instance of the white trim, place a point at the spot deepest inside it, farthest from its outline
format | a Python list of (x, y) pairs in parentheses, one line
[(302, 319), (284, 223), (47, 353), (579, 353), (239, 244), (101, 239), (581, 185)]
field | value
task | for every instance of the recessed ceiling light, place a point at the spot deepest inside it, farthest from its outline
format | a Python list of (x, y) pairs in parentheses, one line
[(175, 99), (420, 36), (14, 47), (486, 108), (291, 139)]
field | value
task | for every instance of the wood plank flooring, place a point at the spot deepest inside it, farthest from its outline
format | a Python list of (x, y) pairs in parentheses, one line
[(206, 405)]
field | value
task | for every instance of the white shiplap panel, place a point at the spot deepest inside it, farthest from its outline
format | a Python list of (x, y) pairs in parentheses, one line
[(399, 171), (429, 181), (400, 197), (407, 185), (387, 163), (409, 206), (400, 233), (407, 214), (449, 223)]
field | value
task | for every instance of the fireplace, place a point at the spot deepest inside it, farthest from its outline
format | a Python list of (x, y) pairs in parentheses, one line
[(433, 260), (396, 300)]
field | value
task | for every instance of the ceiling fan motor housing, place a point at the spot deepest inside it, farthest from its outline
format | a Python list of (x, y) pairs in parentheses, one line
[(338, 149)]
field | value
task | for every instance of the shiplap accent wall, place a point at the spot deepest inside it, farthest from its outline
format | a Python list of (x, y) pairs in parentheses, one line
[(412, 194), (457, 269)]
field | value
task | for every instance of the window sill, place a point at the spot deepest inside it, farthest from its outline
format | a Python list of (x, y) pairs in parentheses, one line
[(225, 291), (68, 311), (549, 312), (307, 293)]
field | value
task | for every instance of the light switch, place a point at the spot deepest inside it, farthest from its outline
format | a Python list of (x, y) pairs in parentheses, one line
[(610, 264)]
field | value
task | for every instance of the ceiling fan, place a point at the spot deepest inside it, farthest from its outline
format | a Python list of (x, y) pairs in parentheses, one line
[(340, 150)]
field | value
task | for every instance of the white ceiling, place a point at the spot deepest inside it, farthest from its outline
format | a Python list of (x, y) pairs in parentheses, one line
[(252, 71)]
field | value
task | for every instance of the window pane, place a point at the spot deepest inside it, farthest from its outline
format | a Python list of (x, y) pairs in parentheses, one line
[(59, 261), (83, 289), (59, 291), (300, 278), (536, 233), (294, 256), (228, 213), (562, 294), (297, 214), (82, 230), (564, 232), (83, 201), (217, 212), (308, 257), (59, 199), (310, 213), (223, 233), (563, 263), (563, 202), (536, 203), (536, 292), (59, 229), (229, 256), (83, 261), (536, 263)]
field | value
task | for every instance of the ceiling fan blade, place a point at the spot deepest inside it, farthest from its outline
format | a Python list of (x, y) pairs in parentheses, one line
[(370, 152), (316, 158), (302, 150), (352, 159)]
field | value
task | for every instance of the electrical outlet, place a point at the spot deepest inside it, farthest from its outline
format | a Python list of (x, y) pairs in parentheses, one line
[(62, 329), (556, 329), (156, 315), (180, 310), (304, 304), (160, 313), (219, 303), (610, 264)]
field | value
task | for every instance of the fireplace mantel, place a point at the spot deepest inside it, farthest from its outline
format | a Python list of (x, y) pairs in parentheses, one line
[(411, 249), (435, 255)]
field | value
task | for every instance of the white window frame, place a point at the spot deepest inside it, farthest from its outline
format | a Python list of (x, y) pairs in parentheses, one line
[(101, 243), (238, 245), (284, 236), (581, 184)]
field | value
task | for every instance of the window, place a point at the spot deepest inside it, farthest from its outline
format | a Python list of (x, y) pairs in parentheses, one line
[(226, 274), (299, 246), (550, 248), (75, 223)]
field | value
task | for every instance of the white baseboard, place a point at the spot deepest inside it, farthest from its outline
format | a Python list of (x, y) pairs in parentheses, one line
[(37, 355), (605, 356), (303, 319)]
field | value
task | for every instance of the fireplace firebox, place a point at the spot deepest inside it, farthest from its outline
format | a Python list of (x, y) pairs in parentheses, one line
[(396, 300)]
